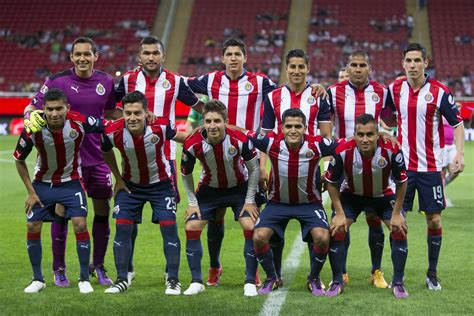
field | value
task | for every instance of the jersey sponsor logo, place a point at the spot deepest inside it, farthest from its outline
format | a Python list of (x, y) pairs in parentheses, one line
[(34, 101), (30, 214), (260, 136), (232, 151), (44, 89), (327, 141), (375, 98), (248, 87), (116, 209), (428, 97), (184, 157), (382, 162), (75, 89), (333, 162), (311, 100), (450, 99), (100, 89), (154, 139), (22, 143), (250, 145), (73, 134), (399, 158), (309, 154), (91, 120), (166, 84)]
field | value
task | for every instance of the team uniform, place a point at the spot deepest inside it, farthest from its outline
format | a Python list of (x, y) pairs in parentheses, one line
[(57, 180), (369, 185), (147, 173), (421, 135), (276, 102), (347, 103), (449, 151)]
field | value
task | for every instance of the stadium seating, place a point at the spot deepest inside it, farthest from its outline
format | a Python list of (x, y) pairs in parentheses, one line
[(18, 64)]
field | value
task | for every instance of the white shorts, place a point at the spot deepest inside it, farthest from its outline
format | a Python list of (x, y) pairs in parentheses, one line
[(449, 152)]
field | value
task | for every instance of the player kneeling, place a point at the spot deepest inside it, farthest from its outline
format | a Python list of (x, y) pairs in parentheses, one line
[(229, 178), (368, 165), (146, 177), (57, 180)]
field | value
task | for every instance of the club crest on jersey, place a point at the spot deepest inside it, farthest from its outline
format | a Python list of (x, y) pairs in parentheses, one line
[(375, 98), (381, 162), (309, 154), (154, 139), (44, 89), (248, 87), (428, 97), (166, 84), (232, 151), (73, 134), (116, 209), (30, 214), (100, 90), (311, 100)]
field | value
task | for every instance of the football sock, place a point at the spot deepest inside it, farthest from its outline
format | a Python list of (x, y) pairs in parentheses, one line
[(336, 255), (83, 246), (171, 247), (435, 237), (251, 262), (215, 235), (317, 258), (100, 235), (277, 250), (134, 237), (265, 257), (33, 244), (58, 239), (347, 242), (123, 246), (376, 242), (194, 253), (399, 256)]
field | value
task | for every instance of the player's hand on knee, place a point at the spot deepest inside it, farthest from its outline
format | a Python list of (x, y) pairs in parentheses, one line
[(252, 210), (338, 224), (34, 121), (32, 200), (319, 91), (398, 223), (192, 211), (120, 185)]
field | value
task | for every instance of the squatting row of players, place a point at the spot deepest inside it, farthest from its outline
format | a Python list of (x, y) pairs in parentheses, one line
[(74, 123)]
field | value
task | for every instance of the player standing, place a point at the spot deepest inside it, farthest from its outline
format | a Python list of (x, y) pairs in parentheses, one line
[(56, 180), (420, 102), (367, 166), (229, 178), (90, 92)]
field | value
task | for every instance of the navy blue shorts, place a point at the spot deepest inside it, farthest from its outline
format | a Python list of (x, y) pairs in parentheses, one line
[(430, 188), (354, 204), (210, 199), (277, 215), (70, 194), (160, 195)]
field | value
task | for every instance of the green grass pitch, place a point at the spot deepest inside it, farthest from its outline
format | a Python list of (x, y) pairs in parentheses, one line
[(146, 296)]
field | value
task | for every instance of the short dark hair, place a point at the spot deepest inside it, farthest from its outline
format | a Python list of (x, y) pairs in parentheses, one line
[(293, 112), (54, 94), (365, 119), (150, 40), (134, 97), (359, 53), (215, 106), (415, 47), (234, 42), (84, 40), (296, 53)]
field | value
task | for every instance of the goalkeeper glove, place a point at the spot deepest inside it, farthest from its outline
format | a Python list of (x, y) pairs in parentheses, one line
[(34, 121)]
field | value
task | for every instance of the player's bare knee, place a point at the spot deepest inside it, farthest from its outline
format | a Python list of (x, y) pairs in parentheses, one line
[(60, 210), (195, 225), (79, 224), (34, 227), (433, 220), (320, 236), (247, 223), (261, 237)]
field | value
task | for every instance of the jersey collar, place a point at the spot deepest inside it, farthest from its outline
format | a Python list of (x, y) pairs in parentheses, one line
[(244, 72), (355, 88)]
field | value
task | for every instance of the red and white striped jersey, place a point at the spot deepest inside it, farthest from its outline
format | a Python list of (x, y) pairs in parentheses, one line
[(222, 164), (282, 99), (294, 176), (367, 176), (143, 157), (243, 96), (161, 94), (58, 158), (347, 103), (420, 128)]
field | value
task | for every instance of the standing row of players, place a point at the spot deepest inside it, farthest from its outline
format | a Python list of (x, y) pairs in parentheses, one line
[(242, 93)]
